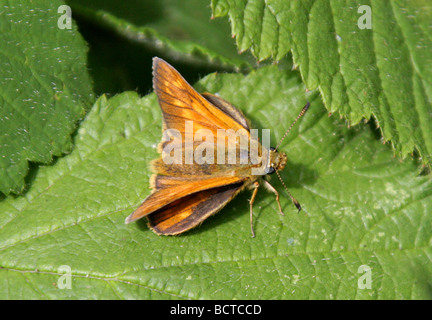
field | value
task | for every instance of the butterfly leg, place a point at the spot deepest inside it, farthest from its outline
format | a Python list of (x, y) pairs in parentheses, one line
[(251, 202), (270, 188)]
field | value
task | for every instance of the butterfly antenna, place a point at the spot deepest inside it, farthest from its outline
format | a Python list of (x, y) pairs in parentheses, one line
[(305, 108), (296, 203)]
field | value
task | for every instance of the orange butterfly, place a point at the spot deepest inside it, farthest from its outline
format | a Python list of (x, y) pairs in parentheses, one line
[(187, 188)]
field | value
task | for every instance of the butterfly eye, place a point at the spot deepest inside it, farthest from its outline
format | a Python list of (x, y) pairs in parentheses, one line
[(270, 170)]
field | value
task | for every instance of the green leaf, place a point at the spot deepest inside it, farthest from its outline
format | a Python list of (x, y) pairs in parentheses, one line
[(360, 207), (382, 72), (44, 87), (182, 30)]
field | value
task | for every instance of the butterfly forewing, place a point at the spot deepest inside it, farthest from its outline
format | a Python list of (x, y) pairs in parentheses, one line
[(180, 102)]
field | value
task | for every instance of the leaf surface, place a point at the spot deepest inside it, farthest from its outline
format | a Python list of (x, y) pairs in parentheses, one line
[(361, 206), (44, 87)]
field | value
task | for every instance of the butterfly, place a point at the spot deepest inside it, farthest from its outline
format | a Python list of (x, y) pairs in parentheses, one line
[(186, 188)]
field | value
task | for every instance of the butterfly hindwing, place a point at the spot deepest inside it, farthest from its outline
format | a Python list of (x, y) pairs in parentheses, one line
[(188, 212)]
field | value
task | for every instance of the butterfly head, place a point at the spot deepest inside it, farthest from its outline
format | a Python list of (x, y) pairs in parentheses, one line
[(277, 161)]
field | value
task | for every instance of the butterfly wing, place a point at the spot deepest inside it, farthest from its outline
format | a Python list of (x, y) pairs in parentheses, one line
[(170, 189), (179, 102), (228, 108), (188, 212)]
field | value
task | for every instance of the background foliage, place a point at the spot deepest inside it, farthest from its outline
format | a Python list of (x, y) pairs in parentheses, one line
[(362, 204)]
